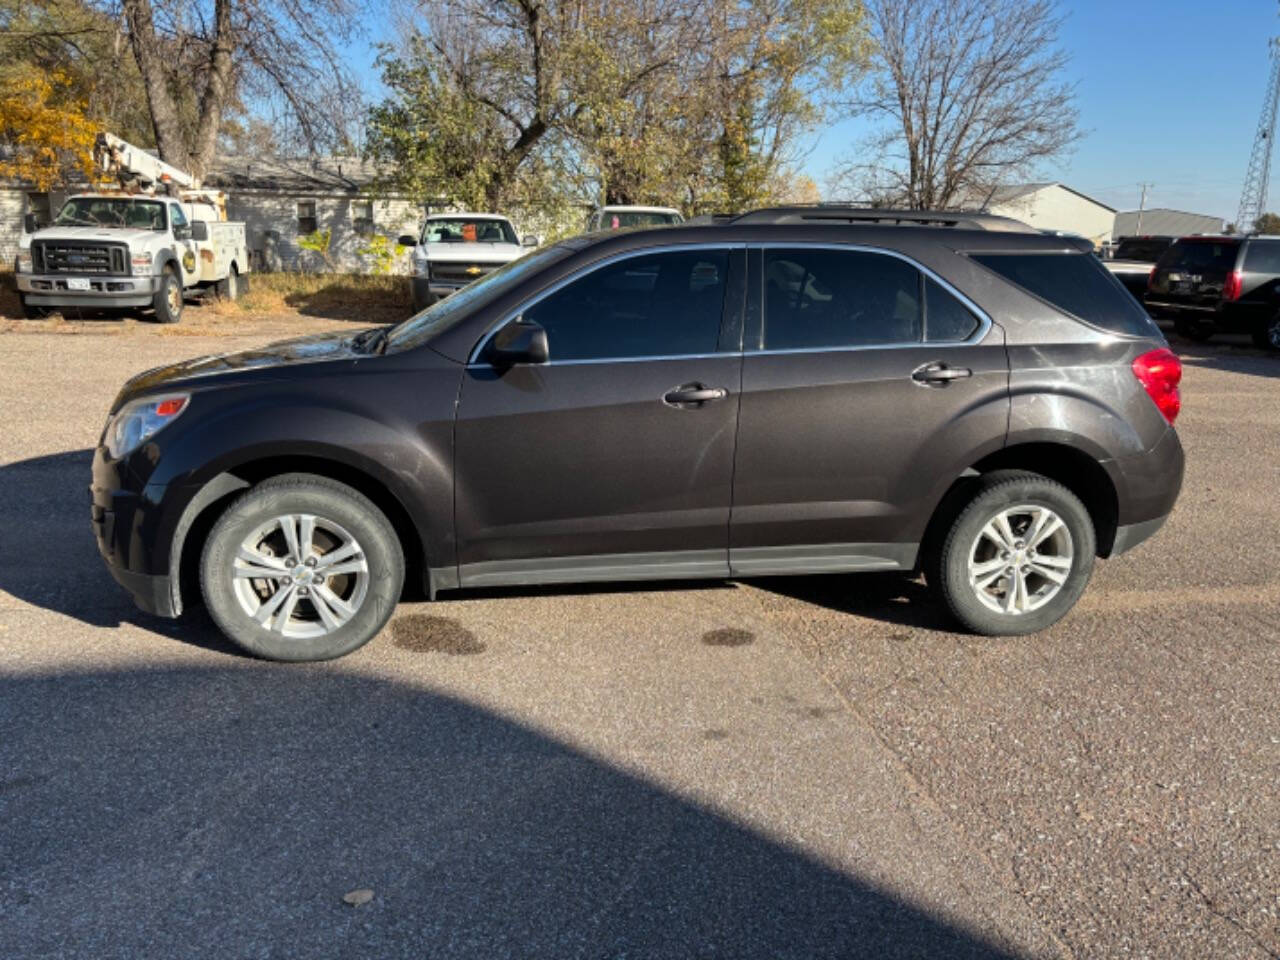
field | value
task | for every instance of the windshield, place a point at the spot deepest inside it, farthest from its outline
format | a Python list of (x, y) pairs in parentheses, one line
[(1146, 249), (1201, 255), (120, 212), (447, 313), (618, 219), (468, 230)]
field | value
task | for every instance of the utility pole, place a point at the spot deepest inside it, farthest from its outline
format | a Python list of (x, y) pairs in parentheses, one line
[(1142, 205)]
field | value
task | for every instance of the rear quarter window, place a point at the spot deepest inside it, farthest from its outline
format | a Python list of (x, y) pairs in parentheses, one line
[(1262, 256), (1077, 284)]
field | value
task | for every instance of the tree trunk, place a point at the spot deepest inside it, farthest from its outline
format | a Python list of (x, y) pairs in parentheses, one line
[(164, 112), (215, 91)]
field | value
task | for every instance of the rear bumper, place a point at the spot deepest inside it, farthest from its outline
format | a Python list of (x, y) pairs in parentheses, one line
[(1147, 486), (50, 290)]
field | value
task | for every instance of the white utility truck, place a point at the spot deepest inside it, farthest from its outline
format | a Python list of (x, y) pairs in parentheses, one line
[(146, 243)]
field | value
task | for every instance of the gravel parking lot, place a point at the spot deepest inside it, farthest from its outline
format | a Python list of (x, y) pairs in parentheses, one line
[(788, 767)]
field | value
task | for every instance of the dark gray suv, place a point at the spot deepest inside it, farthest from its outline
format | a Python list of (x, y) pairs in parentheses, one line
[(791, 391)]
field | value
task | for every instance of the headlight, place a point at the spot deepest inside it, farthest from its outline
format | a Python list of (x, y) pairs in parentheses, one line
[(23, 264), (420, 267), (139, 420), (141, 264)]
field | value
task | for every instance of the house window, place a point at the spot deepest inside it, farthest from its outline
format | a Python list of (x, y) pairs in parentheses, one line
[(362, 216), (306, 217), (38, 203)]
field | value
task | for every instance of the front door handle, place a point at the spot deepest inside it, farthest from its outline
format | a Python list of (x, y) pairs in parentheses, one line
[(693, 394), (938, 374)]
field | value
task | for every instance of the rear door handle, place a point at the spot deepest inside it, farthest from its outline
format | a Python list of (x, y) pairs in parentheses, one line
[(938, 374), (692, 394)]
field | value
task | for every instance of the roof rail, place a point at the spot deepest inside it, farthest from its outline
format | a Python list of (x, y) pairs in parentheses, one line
[(849, 213)]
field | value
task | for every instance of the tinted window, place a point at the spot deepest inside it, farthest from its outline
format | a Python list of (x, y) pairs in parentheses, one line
[(946, 319), (1215, 256), (839, 298), (1146, 249), (1262, 256), (665, 304), (1075, 283)]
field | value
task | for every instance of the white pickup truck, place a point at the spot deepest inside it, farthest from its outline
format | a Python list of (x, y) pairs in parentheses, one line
[(456, 248), (146, 244), (105, 251)]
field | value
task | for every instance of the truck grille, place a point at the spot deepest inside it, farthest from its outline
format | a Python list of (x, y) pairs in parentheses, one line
[(463, 272), (79, 257)]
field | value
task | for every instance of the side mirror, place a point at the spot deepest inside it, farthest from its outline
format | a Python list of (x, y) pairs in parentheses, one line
[(519, 341), (529, 240), (29, 224), (407, 240), (199, 230), (182, 231)]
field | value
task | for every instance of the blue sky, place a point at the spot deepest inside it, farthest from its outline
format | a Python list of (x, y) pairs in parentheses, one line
[(1169, 93)]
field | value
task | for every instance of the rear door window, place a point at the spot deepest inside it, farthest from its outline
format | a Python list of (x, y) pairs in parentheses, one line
[(827, 299), (946, 319), (1077, 284)]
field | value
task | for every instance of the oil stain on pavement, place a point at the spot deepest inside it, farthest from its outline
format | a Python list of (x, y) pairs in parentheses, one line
[(420, 633), (727, 637)]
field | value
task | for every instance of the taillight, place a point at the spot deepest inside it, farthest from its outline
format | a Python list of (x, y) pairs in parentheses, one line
[(1160, 372), (1231, 286), (1151, 278)]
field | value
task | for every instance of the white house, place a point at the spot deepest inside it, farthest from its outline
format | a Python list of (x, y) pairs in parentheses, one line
[(1051, 206)]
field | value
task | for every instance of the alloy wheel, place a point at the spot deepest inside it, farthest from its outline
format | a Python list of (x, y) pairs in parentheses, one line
[(300, 576), (1020, 559)]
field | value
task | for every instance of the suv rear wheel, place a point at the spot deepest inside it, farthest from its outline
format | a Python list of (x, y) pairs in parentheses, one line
[(1017, 556), (1193, 329), (1267, 335), (301, 568)]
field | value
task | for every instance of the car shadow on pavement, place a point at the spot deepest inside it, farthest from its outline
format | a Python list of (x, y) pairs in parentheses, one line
[(889, 597), (51, 559), (227, 811)]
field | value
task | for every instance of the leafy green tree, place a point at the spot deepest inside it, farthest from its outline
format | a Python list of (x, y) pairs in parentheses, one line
[(1267, 223)]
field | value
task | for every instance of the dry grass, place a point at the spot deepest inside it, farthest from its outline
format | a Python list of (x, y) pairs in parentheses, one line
[(335, 297), (284, 303)]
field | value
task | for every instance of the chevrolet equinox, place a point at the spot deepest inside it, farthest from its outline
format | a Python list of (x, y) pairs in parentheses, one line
[(788, 391)]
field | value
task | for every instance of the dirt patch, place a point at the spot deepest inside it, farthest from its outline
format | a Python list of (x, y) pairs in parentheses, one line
[(420, 633), (728, 637)]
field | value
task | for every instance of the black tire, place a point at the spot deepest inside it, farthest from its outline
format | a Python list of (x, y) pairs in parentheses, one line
[(333, 504), (1193, 330), (228, 288), (167, 302), (1267, 335), (31, 311), (947, 566)]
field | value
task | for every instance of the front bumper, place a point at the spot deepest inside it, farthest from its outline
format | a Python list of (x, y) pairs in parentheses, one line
[(50, 290)]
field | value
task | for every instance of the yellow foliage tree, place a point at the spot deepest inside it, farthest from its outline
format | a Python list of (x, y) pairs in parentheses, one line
[(44, 132)]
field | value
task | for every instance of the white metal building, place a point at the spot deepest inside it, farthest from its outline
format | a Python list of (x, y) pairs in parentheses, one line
[(1052, 206)]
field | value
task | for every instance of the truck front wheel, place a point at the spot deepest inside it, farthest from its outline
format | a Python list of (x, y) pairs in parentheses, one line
[(168, 299), (32, 312)]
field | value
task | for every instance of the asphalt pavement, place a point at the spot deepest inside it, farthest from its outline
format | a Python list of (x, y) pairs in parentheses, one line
[(795, 767)]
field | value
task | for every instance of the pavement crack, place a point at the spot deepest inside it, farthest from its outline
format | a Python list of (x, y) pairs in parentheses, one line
[(1253, 936)]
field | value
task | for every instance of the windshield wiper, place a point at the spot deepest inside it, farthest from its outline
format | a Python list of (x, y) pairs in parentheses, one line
[(373, 340)]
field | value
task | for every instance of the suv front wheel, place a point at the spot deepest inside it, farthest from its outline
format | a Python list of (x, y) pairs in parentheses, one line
[(301, 567), (1016, 558)]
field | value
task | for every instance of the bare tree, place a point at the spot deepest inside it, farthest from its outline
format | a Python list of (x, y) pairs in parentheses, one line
[(970, 96), (202, 59)]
